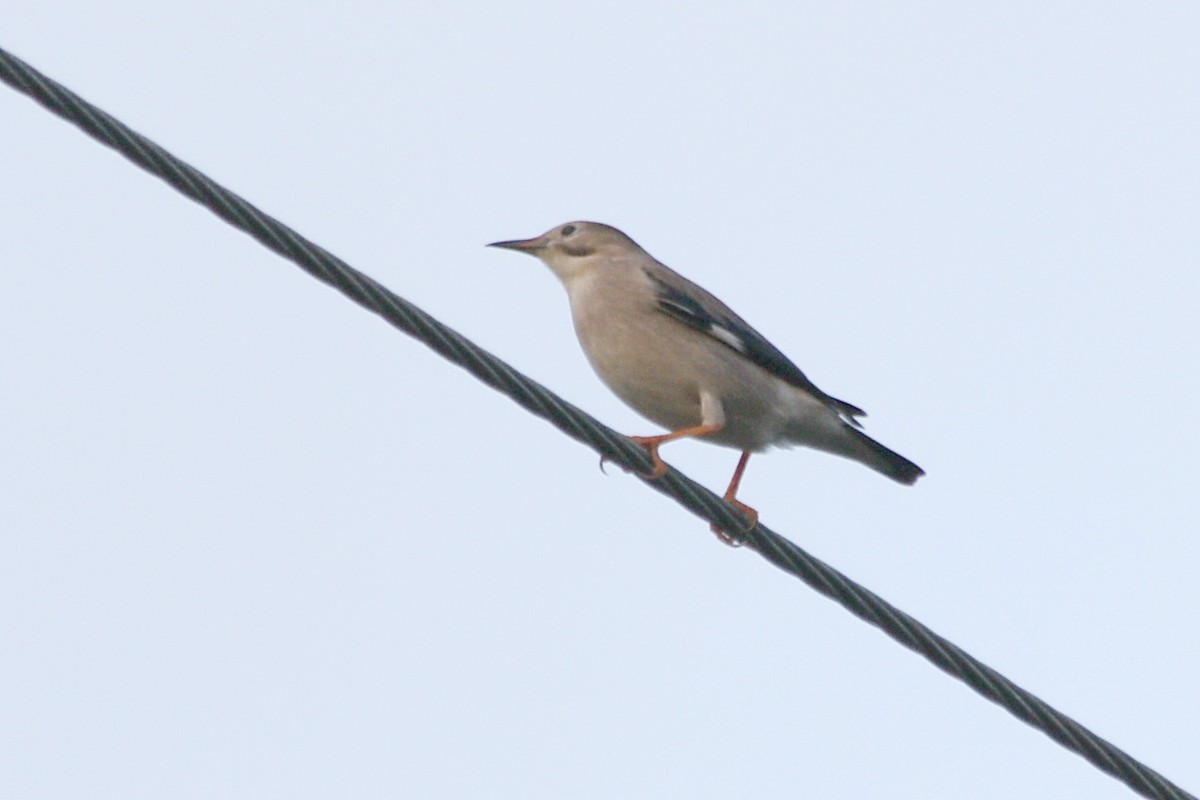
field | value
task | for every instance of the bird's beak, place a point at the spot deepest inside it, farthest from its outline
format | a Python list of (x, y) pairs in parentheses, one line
[(522, 245)]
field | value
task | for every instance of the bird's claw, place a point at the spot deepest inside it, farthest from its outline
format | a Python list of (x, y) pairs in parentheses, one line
[(725, 538), (740, 538), (651, 444)]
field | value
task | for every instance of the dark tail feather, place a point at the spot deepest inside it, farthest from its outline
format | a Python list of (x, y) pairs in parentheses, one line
[(885, 461)]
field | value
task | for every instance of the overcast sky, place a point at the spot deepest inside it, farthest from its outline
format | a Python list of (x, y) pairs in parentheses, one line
[(259, 544)]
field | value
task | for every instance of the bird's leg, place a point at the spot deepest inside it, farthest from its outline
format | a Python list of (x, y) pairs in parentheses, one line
[(731, 497), (652, 443)]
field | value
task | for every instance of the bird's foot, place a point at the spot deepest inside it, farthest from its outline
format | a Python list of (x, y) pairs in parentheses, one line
[(739, 539), (651, 444)]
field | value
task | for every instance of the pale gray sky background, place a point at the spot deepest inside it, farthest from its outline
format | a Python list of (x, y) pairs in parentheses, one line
[(258, 544)]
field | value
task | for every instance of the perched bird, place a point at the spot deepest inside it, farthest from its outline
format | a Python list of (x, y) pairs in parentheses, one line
[(681, 358)]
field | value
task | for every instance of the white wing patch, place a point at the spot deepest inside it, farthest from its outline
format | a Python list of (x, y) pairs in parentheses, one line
[(727, 336)]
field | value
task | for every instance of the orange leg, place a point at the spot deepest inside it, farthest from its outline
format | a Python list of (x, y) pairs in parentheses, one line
[(652, 443), (731, 497)]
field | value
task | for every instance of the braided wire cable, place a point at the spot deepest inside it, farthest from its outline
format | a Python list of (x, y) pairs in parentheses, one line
[(580, 426)]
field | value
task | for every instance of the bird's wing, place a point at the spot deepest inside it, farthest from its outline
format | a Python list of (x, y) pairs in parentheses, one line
[(688, 303)]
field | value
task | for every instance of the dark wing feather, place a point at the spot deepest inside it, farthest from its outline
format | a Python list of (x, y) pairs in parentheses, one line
[(733, 332)]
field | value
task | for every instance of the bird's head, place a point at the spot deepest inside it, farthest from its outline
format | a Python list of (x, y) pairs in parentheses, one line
[(574, 248)]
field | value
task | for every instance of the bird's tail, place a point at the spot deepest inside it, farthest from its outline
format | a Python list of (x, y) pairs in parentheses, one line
[(888, 462)]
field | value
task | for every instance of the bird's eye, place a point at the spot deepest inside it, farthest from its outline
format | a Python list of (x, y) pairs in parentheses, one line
[(568, 230)]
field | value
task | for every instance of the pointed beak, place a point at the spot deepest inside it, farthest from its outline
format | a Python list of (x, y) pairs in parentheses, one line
[(522, 245)]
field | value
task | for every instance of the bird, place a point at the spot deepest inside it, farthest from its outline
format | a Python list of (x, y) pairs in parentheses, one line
[(684, 360)]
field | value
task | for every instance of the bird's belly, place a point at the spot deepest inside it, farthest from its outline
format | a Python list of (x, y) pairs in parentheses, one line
[(665, 385)]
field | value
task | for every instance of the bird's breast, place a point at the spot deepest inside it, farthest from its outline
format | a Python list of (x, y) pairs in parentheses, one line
[(625, 340)]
